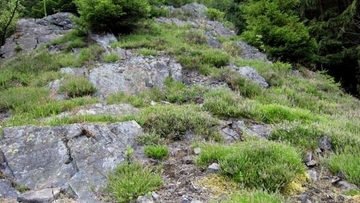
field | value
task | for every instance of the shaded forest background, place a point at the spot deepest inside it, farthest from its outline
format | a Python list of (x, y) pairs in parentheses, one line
[(316, 34)]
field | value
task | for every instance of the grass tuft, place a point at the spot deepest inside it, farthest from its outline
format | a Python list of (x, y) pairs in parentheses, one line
[(132, 180)]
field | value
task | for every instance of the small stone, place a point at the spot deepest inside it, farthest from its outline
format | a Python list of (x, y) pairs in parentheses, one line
[(325, 143), (145, 199), (313, 175), (213, 168), (342, 184), (152, 103), (196, 201), (308, 157), (154, 195), (40, 196), (197, 150), (188, 160), (318, 150), (311, 163)]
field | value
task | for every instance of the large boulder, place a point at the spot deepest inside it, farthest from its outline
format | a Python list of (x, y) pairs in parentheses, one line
[(75, 158), (134, 75), (32, 33)]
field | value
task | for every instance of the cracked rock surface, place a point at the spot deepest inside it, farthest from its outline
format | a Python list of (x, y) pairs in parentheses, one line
[(75, 158), (31, 33)]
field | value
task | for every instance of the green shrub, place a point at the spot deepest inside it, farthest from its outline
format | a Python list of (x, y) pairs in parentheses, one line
[(256, 196), (274, 27), (117, 16), (111, 57), (257, 164), (216, 58), (132, 180), (156, 151), (77, 86), (214, 14), (178, 3)]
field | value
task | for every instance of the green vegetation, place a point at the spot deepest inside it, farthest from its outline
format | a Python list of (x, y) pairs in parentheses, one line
[(120, 16), (257, 164), (346, 162), (156, 151), (214, 14), (300, 106), (77, 86), (111, 57), (132, 180), (256, 196), (173, 122)]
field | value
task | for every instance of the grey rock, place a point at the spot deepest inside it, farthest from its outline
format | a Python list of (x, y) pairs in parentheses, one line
[(145, 199), (47, 195), (342, 184), (114, 110), (308, 157), (311, 163), (230, 135), (134, 75), (195, 10), (196, 201), (313, 175), (32, 33), (4, 115), (75, 157), (258, 130), (261, 131), (197, 150), (325, 143), (121, 52), (251, 53), (6, 190), (74, 71), (155, 196), (103, 39), (251, 74), (213, 168)]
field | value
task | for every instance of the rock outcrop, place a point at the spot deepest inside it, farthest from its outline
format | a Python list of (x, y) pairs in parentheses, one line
[(32, 33), (74, 158)]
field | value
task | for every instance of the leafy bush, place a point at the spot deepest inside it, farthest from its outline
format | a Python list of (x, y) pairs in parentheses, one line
[(77, 87), (256, 164), (118, 16), (214, 14), (274, 27), (156, 151), (132, 180)]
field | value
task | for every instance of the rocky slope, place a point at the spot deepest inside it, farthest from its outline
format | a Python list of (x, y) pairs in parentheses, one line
[(69, 163)]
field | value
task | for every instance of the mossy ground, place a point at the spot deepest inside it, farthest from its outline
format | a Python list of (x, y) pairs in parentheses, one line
[(300, 107)]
